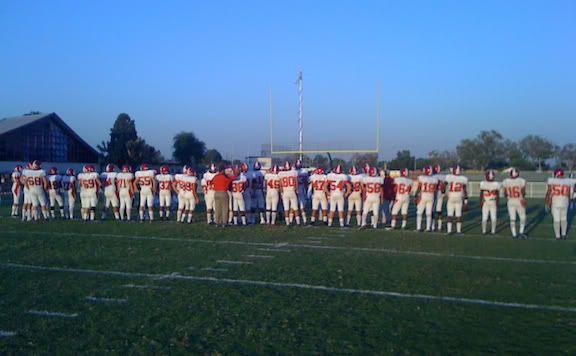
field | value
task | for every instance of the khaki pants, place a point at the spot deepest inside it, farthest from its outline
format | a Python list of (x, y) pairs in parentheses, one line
[(220, 208)]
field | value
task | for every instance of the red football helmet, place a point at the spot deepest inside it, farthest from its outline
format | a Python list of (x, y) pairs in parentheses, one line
[(164, 169), (456, 170), (53, 171), (144, 167), (212, 168), (490, 175), (436, 169), (298, 164), (353, 171), (275, 169), (558, 173), (29, 165), (18, 168), (184, 167), (366, 168), (404, 172), (91, 168), (257, 166), (243, 167), (70, 172), (338, 169), (319, 170), (372, 172), (110, 167), (126, 168), (514, 173), (287, 166), (36, 165), (190, 171), (428, 170), (85, 168)]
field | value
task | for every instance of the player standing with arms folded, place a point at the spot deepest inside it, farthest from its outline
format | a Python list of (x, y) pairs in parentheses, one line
[(145, 179), (338, 190), (108, 181), (558, 195), (89, 186), (355, 197), (489, 197), (288, 188), (515, 192), (456, 190), (373, 196), (424, 198), (16, 189), (402, 188), (318, 188), (165, 188), (69, 192), (126, 188)]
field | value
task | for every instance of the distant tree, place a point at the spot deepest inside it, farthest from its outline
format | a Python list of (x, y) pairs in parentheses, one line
[(141, 152), (403, 160), (359, 160), (212, 156), (537, 148), (515, 157), (485, 150), (320, 160), (567, 156), (443, 158), (338, 161), (187, 148)]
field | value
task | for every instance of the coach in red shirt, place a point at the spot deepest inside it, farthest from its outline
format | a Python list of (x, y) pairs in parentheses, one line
[(222, 182), (389, 196)]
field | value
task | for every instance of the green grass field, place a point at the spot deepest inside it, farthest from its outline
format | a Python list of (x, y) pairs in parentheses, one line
[(173, 288)]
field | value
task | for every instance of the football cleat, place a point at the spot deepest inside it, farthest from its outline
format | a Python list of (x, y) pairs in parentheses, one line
[(275, 169), (490, 175), (70, 172), (109, 167), (558, 173), (126, 168), (164, 169), (353, 171), (404, 172), (243, 167), (514, 173), (338, 169), (436, 169), (143, 167), (428, 170), (372, 172), (18, 168), (53, 171), (257, 166), (298, 164), (36, 165)]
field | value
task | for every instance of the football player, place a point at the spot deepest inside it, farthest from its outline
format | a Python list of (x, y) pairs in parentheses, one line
[(355, 197), (257, 186), (37, 185), (288, 188), (456, 190), (126, 188), (16, 189), (188, 184), (303, 177), (89, 186), (145, 179), (209, 192), (440, 191), (179, 189), (515, 192), (338, 190), (55, 192), (108, 181), (247, 191), (165, 181), (489, 196), (558, 195), (238, 188), (69, 192), (318, 188), (272, 185), (424, 198), (402, 188), (373, 196)]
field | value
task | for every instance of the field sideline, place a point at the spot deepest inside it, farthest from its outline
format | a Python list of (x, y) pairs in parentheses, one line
[(70, 287)]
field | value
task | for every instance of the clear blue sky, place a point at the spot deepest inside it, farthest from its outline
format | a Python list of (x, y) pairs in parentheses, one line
[(447, 69)]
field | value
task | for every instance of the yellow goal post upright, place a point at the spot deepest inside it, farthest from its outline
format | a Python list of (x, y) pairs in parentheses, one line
[(285, 149)]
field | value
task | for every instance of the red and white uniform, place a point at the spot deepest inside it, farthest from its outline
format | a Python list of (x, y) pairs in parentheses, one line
[(209, 193), (55, 190), (288, 182), (257, 186), (455, 194), (187, 186), (403, 188), (355, 198), (272, 181), (427, 185), (125, 192), (165, 182), (490, 200), (373, 189), (318, 184), (513, 188), (238, 187), (16, 186), (303, 178), (35, 182), (108, 180), (88, 189), (561, 189), (337, 188), (145, 180)]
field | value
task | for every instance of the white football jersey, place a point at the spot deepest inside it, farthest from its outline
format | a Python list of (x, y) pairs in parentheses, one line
[(288, 180), (16, 179), (88, 182), (455, 186), (428, 186), (187, 182), (207, 177), (239, 184), (164, 181), (34, 179), (561, 189), (373, 185), (491, 190), (145, 178), (403, 187), (318, 182), (337, 182), (108, 180), (513, 187), (272, 181), (54, 182), (124, 180), (356, 181)]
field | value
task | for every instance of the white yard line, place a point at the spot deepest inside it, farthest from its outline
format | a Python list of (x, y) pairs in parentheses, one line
[(211, 269), (309, 242), (106, 300), (51, 314), (267, 284), (144, 286), (228, 262), (317, 238), (4, 333), (272, 250), (305, 245), (258, 256)]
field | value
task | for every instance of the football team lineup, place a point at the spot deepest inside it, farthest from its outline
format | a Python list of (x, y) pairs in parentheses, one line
[(249, 195)]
